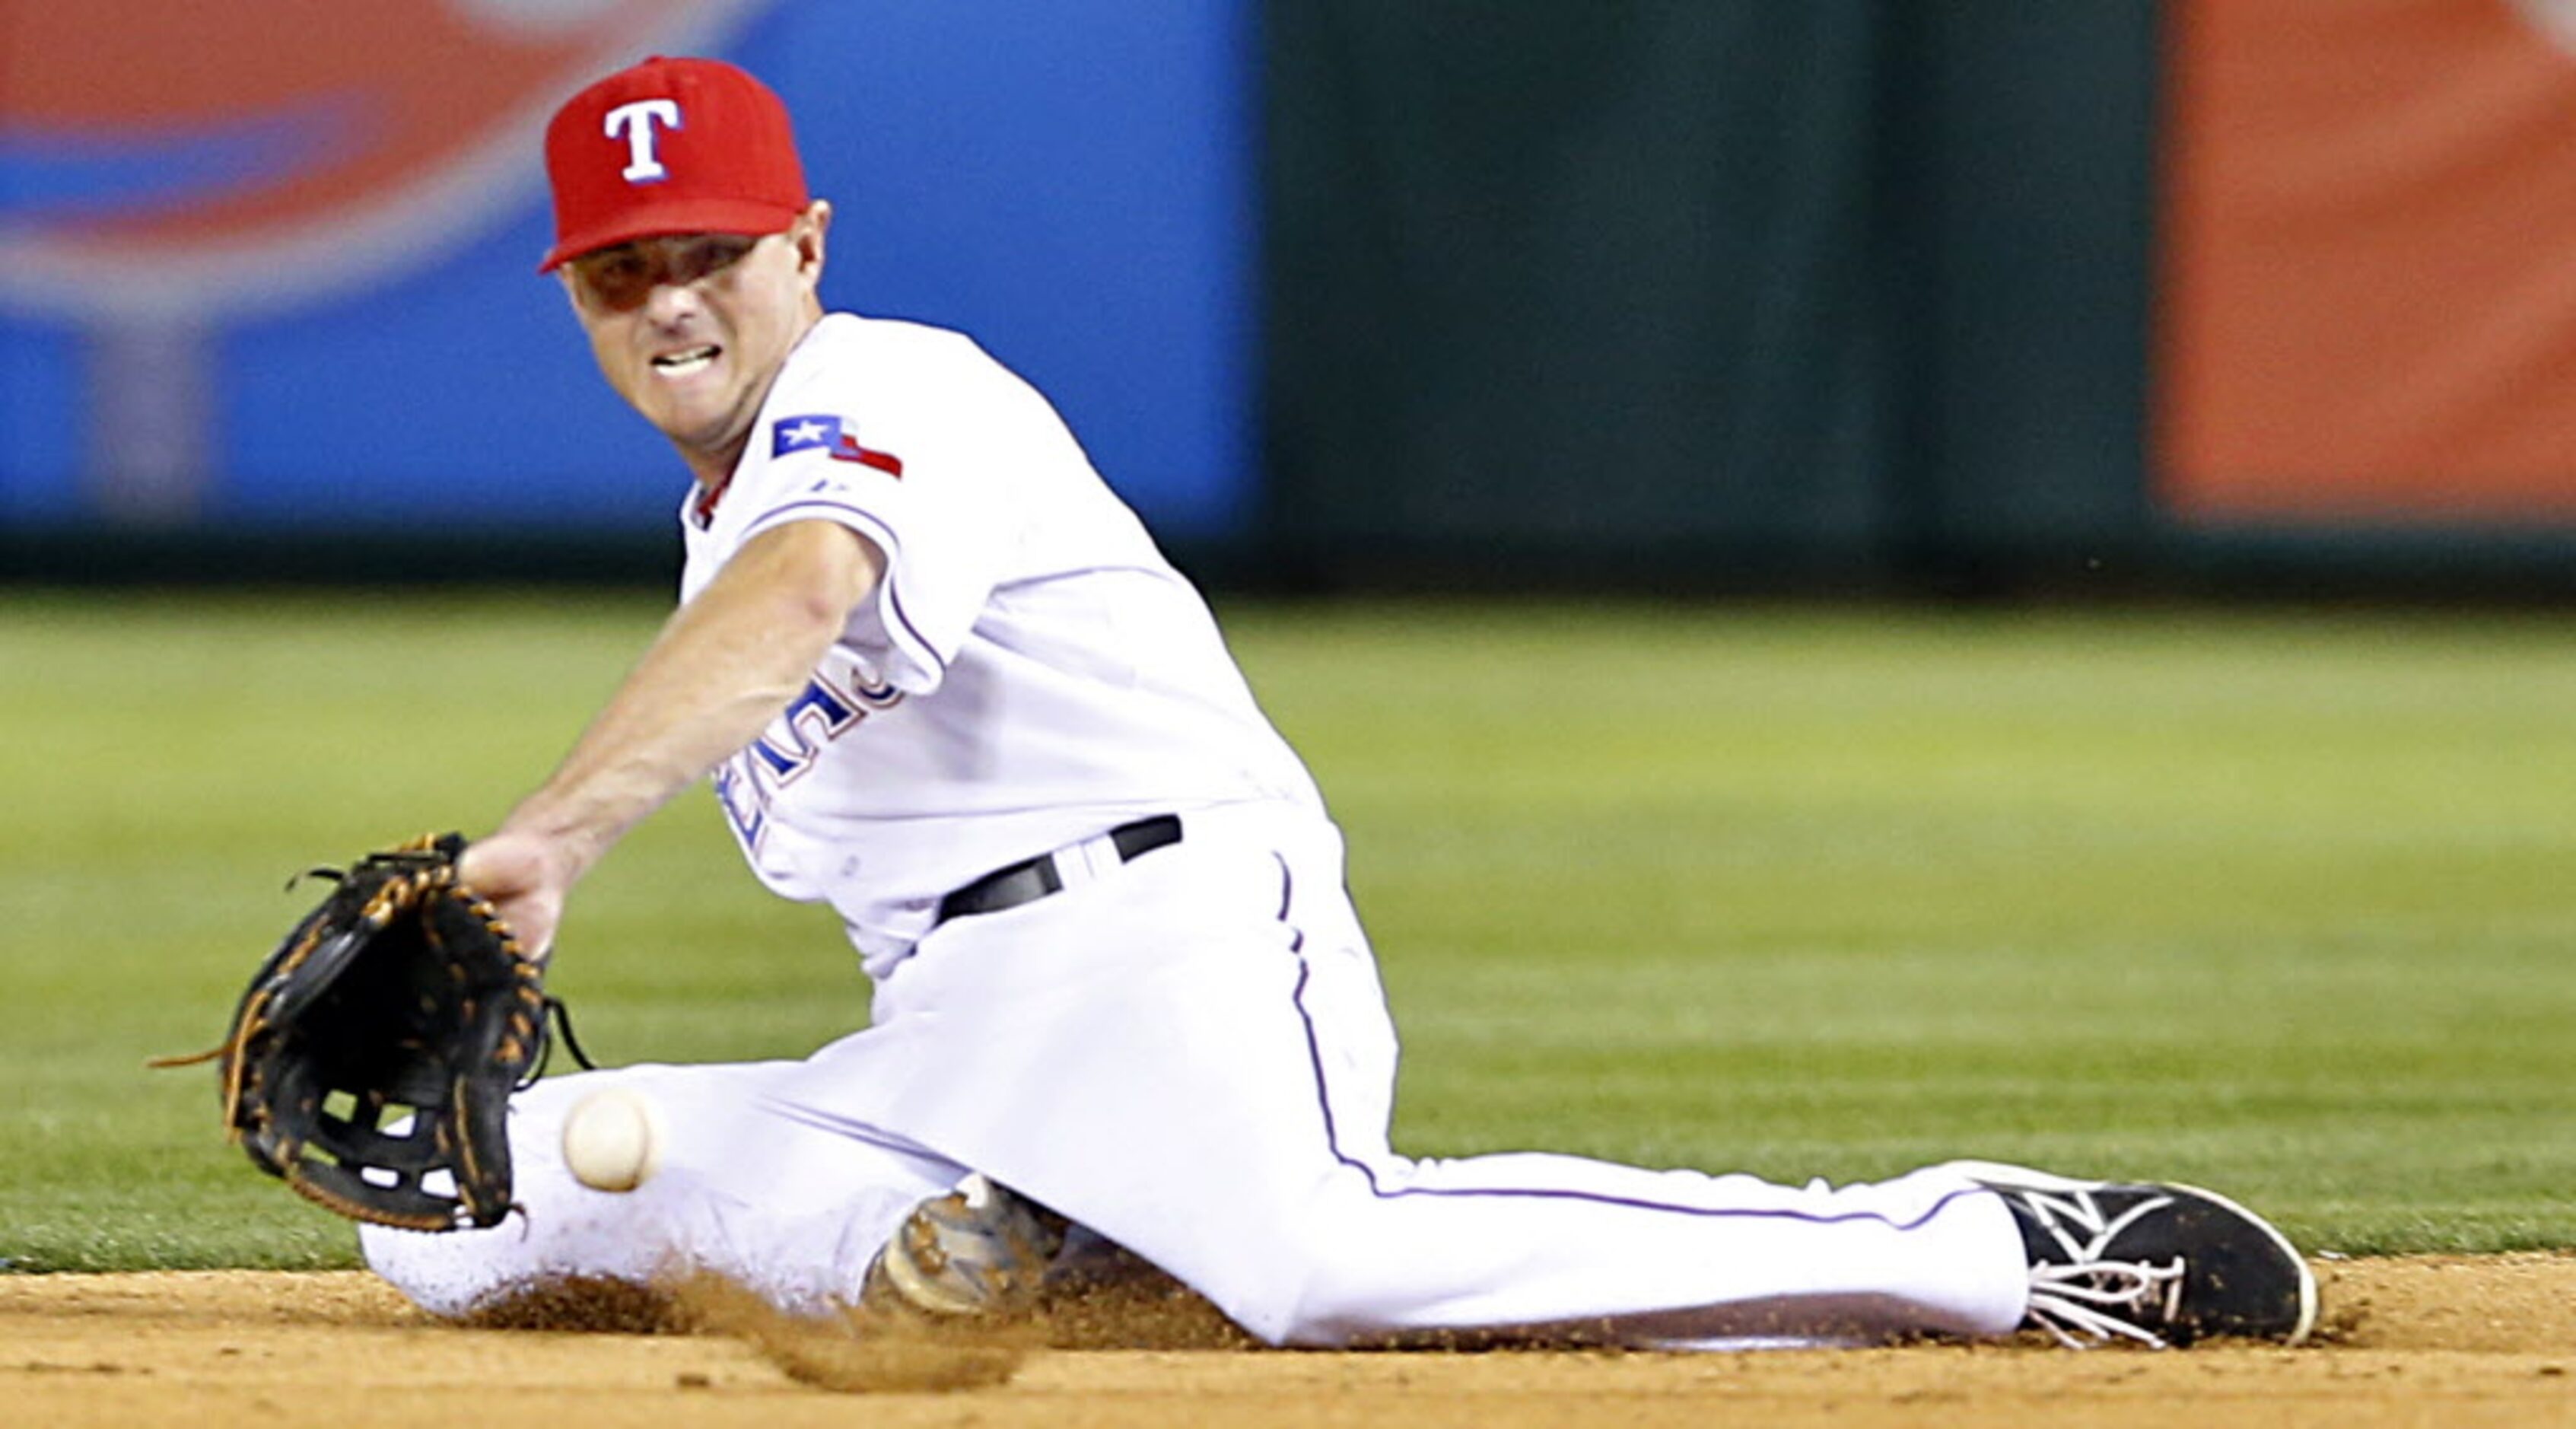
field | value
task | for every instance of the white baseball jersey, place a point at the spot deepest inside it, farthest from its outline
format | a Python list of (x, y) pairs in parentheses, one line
[(1186, 1052), (1031, 670)]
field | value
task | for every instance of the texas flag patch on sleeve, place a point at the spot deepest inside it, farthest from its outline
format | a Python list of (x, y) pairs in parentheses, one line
[(790, 435)]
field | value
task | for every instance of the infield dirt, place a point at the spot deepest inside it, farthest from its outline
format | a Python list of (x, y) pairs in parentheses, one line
[(2425, 1341)]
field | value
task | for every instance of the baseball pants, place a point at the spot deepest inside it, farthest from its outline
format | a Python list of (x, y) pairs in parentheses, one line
[(1191, 1055)]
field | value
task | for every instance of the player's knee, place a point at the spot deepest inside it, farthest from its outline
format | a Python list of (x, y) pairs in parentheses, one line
[(1329, 1270), (457, 1273), (448, 1274)]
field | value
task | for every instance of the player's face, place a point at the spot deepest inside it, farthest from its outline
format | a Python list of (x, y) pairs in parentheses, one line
[(692, 329)]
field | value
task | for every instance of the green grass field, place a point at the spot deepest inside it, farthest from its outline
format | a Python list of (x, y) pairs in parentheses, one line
[(2284, 904)]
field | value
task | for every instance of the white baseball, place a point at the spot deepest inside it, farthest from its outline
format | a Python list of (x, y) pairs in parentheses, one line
[(612, 1141)]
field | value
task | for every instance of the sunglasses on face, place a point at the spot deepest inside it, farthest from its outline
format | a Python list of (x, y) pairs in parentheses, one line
[(622, 277)]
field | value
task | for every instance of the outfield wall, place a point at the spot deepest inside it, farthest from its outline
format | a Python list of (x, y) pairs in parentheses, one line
[(1851, 294)]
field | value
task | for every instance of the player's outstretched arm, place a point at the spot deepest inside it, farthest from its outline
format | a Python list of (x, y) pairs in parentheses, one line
[(723, 667)]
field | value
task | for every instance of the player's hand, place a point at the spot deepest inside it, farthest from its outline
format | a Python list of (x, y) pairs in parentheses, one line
[(526, 877)]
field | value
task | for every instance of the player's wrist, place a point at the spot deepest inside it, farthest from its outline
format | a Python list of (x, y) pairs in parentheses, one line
[(538, 849)]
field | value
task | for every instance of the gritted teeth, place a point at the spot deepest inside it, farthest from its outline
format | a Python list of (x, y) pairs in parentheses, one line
[(684, 362)]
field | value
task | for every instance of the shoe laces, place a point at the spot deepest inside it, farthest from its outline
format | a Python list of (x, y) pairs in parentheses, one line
[(2090, 1299)]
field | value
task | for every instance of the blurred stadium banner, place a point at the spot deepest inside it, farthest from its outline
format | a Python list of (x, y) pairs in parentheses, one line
[(269, 264), (172, 167), (2369, 262)]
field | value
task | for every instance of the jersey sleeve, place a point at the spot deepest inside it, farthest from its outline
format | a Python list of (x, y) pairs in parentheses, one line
[(928, 460), (941, 562)]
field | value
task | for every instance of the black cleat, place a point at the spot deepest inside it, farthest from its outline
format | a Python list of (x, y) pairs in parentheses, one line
[(2158, 1265)]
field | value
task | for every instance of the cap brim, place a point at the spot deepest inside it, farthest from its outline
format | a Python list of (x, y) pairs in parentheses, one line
[(704, 215)]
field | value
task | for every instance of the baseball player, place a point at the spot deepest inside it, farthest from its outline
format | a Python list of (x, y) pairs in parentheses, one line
[(944, 682)]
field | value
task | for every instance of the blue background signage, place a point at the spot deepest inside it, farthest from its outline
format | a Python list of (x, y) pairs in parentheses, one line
[(308, 300)]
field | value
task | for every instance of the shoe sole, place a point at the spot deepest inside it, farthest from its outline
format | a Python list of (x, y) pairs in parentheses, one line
[(1998, 1172)]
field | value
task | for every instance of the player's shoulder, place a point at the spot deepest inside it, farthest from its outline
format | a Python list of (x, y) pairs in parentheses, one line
[(893, 348), (910, 375)]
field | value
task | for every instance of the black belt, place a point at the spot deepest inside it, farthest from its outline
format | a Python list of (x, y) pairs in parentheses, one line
[(1035, 879)]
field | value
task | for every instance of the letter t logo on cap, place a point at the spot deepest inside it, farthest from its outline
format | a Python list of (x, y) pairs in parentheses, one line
[(634, 123)]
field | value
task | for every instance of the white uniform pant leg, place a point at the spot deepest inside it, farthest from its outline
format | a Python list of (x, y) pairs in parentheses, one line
[(1192, 1057), (742, 1191)]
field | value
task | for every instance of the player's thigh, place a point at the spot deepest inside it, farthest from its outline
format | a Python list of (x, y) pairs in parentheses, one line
[(1178, 1052)]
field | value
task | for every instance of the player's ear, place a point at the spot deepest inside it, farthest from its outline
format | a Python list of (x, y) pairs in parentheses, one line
[(813, 228)]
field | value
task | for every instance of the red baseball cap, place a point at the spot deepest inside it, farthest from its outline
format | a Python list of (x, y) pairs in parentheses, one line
[(670, 146)]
